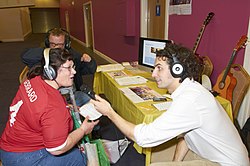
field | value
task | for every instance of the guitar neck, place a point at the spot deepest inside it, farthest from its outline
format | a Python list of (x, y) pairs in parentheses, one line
[(197, 42), (206, 21), (228, 67)]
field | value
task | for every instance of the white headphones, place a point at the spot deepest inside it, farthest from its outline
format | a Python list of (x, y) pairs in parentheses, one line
[(176, 68), (48, 70)]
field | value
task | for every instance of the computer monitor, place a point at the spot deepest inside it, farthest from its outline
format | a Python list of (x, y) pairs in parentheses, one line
[(147, 50)]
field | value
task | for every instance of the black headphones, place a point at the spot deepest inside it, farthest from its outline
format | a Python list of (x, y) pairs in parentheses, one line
[(176, 68), (48, 71), (67, 37)]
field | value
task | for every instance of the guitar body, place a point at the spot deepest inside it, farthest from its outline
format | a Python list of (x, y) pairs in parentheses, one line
[(226, 82), (232, 85), (225, 89)]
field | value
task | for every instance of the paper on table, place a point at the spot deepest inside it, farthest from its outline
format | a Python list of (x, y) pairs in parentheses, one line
[(116, 74), (163, 106), (127, 65), (139, 94), (110, 67), (131, 95), (89, 110), (131, 80), (130, 65)]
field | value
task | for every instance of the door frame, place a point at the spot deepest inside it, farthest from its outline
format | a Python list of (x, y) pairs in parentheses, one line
[(144, 19), (67, 21), (86, 25)]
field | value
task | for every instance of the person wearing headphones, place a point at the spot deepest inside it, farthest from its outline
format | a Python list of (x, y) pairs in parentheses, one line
[(60, 38), (195, 117), (40, 127)]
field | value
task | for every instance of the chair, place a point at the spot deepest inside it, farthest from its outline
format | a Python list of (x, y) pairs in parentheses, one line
[(208, 66), (243, 81), (23, 75), (206, 73)]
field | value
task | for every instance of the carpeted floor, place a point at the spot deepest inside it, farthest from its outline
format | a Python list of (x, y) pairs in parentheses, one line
[(10, 69)]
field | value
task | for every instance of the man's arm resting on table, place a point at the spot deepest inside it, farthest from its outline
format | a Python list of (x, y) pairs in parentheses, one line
[(88, 67), (84, 67), (180, 150)]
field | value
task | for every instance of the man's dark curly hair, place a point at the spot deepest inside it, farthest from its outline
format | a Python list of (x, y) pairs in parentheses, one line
[(191, 63)]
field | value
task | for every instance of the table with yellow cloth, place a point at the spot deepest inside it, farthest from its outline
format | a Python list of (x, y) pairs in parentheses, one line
[(136, 113)]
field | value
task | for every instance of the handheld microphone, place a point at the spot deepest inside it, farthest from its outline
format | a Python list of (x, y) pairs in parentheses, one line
[(88, 91), (69, 90), (65, 90)]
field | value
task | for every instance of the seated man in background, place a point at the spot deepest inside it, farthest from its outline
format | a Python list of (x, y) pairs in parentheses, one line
[(59, 38), (195, 115)]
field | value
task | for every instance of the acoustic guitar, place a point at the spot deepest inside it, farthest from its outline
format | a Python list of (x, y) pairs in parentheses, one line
[(207, 64), (226, 82)]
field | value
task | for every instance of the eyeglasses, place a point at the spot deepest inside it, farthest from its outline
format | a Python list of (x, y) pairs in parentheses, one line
[(69, 68), (56, 44)]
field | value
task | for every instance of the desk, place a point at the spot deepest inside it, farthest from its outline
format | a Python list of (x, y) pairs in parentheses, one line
[(135, 112)]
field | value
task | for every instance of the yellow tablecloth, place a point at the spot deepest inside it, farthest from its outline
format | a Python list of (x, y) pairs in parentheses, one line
[(136, 112)]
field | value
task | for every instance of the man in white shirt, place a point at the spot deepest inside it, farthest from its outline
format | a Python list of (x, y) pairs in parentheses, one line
[(194, 113)]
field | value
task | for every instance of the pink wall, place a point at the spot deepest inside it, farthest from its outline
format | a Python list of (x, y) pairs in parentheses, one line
[(116, 31), (116, 26), (221, 35), (76, 19)]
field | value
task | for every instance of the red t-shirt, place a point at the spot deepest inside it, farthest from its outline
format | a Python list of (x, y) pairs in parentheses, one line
[(38, 118)]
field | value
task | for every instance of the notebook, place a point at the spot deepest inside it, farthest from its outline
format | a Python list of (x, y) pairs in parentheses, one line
[(89, 110)]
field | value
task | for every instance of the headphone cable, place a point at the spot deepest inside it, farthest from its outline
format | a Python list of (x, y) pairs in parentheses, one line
[(57, 83)]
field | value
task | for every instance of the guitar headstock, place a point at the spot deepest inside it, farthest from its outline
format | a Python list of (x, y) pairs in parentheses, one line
[(209, 17), (241, 43)]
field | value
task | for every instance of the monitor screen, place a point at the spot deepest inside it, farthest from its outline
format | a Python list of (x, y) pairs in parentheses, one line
[(147, 50)]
